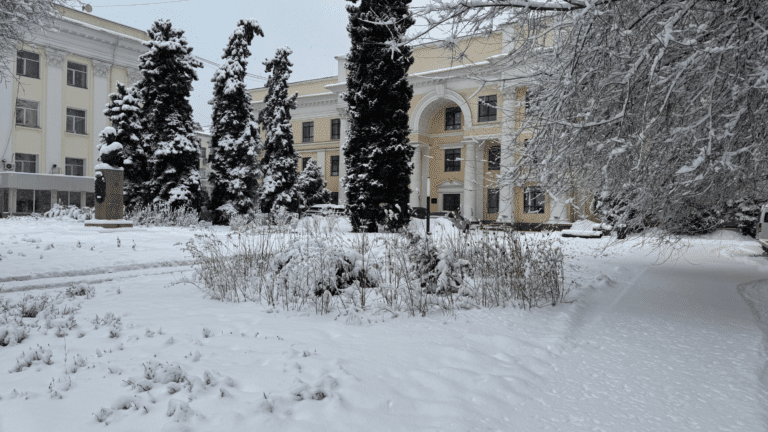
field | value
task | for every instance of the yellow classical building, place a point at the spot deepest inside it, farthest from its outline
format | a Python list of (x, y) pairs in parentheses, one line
[(461, 136), (51, 112)]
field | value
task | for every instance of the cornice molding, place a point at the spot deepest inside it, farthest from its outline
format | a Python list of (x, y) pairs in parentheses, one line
[(101, 69)]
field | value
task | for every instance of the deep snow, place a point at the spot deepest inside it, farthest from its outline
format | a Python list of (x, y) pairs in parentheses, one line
[(647, 344)]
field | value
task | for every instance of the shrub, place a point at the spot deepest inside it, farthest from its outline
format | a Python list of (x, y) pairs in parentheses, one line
[(164, 216), (61, 211)]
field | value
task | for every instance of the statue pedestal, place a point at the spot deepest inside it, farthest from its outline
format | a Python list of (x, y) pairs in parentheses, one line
[(109, 200)]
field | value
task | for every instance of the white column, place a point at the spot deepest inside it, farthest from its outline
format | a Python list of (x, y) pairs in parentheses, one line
[(416, 195), (54, 110), (468, 209), (558, 211), (7, 119), (321, 161), (100, 99), (342, 163), (506, 190)]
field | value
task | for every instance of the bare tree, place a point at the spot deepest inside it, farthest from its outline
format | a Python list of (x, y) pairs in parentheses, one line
[(657, 104), (19, 20)]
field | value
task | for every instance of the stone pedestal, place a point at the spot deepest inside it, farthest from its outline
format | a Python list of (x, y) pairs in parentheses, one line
[(109, 210)]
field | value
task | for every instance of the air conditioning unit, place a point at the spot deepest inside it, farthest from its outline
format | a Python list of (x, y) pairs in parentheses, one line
[(9, 167)]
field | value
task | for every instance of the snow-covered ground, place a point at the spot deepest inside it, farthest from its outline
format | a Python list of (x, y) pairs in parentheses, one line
[(651, 341)]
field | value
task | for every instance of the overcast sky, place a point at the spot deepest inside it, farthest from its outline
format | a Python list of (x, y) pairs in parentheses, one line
[(314, 29)]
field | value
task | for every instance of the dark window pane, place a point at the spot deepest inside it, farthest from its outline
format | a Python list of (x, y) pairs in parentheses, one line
[(452, 162), (25, 199), (533, 200), (90, 197), (42, 201), (77, 75), (74, 167), (494, 158), (486, 109), (308, 132), (334, 197), (304, 162), (452, 118), (336, 129), (451, 202), (26, 163), (493, 200), (334, 166), (3, 201), (62, 197), (28, 64), (74, 199)]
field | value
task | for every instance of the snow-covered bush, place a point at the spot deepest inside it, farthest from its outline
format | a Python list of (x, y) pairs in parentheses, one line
[(33, 356), (693, 219), (249, 221), (435, 271), (163, 215), (60, 211), (745, 212)]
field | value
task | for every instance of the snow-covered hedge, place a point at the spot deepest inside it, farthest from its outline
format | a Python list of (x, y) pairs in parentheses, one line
[(163, 215), (62, 211)]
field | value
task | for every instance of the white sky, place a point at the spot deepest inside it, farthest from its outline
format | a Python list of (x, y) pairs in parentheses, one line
[(314, 29)]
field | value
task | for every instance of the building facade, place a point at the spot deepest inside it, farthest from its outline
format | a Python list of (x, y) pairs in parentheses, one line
[(459, 132), (51, 112)]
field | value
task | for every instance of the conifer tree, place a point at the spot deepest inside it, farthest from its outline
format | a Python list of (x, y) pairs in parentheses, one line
[(280, 159), (235, 142), (123, 112), (167, 70), (377, 151), (310, 187)]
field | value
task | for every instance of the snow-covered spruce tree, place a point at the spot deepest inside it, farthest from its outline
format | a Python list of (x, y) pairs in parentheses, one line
[(664, 95), (377, 152), (235, 142), (280, 159), (310, 187), (167, 72), (123, 112)]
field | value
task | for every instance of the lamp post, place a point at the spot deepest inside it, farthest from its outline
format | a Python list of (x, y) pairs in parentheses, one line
[(429, 189)]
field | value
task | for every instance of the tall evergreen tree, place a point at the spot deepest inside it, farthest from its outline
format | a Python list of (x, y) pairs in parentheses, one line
[(235, 142), (167, 70), (123, 112), (377, 152), (280, 159), (310, 187)]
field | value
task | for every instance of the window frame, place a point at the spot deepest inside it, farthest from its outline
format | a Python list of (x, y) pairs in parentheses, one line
[(74, 121), (25, 110), (452, 114), (308, 132), (335, 165), (73, 73), (19, 165), (492, 196), (335, 129), (70, 167), (452, 164), (22, 66), (486, 108), (534, 200)]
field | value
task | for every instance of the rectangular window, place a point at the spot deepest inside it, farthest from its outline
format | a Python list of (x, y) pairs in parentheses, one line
[(76, 121), (533, 200), (25, 201), (335, 129), (334, 166), (90, 198), (304, 162), (493, 200), (62, 197), (451, 202), (3, 201), (77, 75), (26, 163), (74, 167), (494, 158), (531, 157), (453, 118), (42, 201), (486, 109), (26, 113), (28, 64), (308, 132), (452, 162), (334, 197)]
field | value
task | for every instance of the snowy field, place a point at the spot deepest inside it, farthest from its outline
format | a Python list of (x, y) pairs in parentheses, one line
[(645, 344)]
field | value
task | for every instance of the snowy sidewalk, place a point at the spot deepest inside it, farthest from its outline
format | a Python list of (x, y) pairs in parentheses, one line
[(679, 349)]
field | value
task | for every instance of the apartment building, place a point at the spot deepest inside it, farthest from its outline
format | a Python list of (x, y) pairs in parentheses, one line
[(52, 112), (458, 129)]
